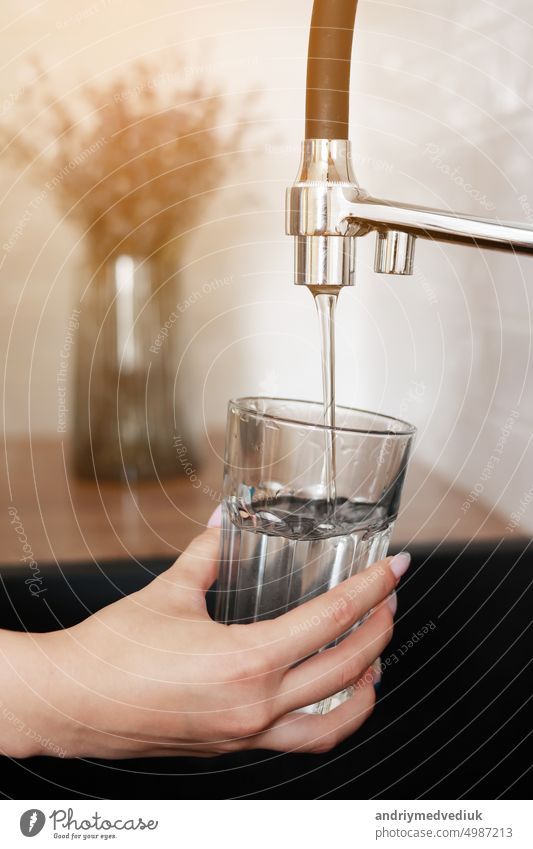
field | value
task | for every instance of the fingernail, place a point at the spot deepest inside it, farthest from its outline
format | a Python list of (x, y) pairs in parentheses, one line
[(216, 518), (376, 673), (400, 564), (392, 601)]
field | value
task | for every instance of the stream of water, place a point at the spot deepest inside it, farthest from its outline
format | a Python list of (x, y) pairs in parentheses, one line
[(326, 303)]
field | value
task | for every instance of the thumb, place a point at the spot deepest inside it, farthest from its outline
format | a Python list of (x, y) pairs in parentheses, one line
[(197, 568)]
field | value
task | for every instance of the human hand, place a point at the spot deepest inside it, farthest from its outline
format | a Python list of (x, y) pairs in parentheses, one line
[(154, 675)]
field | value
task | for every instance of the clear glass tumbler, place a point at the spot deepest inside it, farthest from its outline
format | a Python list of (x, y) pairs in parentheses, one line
[(283, 540)]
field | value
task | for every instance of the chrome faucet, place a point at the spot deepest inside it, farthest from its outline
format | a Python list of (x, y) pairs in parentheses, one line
[(327, 210)]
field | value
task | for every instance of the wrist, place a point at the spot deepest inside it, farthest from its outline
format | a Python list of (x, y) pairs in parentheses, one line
[(31, 722)]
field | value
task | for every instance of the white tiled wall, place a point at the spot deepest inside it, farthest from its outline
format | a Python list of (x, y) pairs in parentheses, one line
[(441, 114)]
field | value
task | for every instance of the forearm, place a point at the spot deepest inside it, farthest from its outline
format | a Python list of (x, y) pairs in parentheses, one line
[(29, 724)]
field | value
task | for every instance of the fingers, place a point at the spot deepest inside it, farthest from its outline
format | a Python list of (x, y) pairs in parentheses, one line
[(335, 669), (313, 625), (301, 732), (196, 569), (294, 732)]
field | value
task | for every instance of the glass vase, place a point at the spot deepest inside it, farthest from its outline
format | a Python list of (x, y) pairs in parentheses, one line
[(126, 413)]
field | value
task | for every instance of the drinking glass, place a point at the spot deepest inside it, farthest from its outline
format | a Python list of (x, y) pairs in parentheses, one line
[(283, 541)]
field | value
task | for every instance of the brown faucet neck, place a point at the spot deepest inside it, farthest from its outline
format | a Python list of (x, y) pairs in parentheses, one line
[(328, 69)]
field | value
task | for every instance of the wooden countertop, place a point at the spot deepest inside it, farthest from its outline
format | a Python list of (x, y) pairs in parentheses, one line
[(60, 518)]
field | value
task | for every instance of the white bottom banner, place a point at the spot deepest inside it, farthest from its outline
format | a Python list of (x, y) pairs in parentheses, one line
[(267, 824)]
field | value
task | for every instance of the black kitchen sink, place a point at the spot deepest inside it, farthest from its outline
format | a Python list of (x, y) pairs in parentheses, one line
[(453, 718)]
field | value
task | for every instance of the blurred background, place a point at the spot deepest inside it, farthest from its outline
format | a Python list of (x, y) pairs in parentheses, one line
[(441, 115)]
